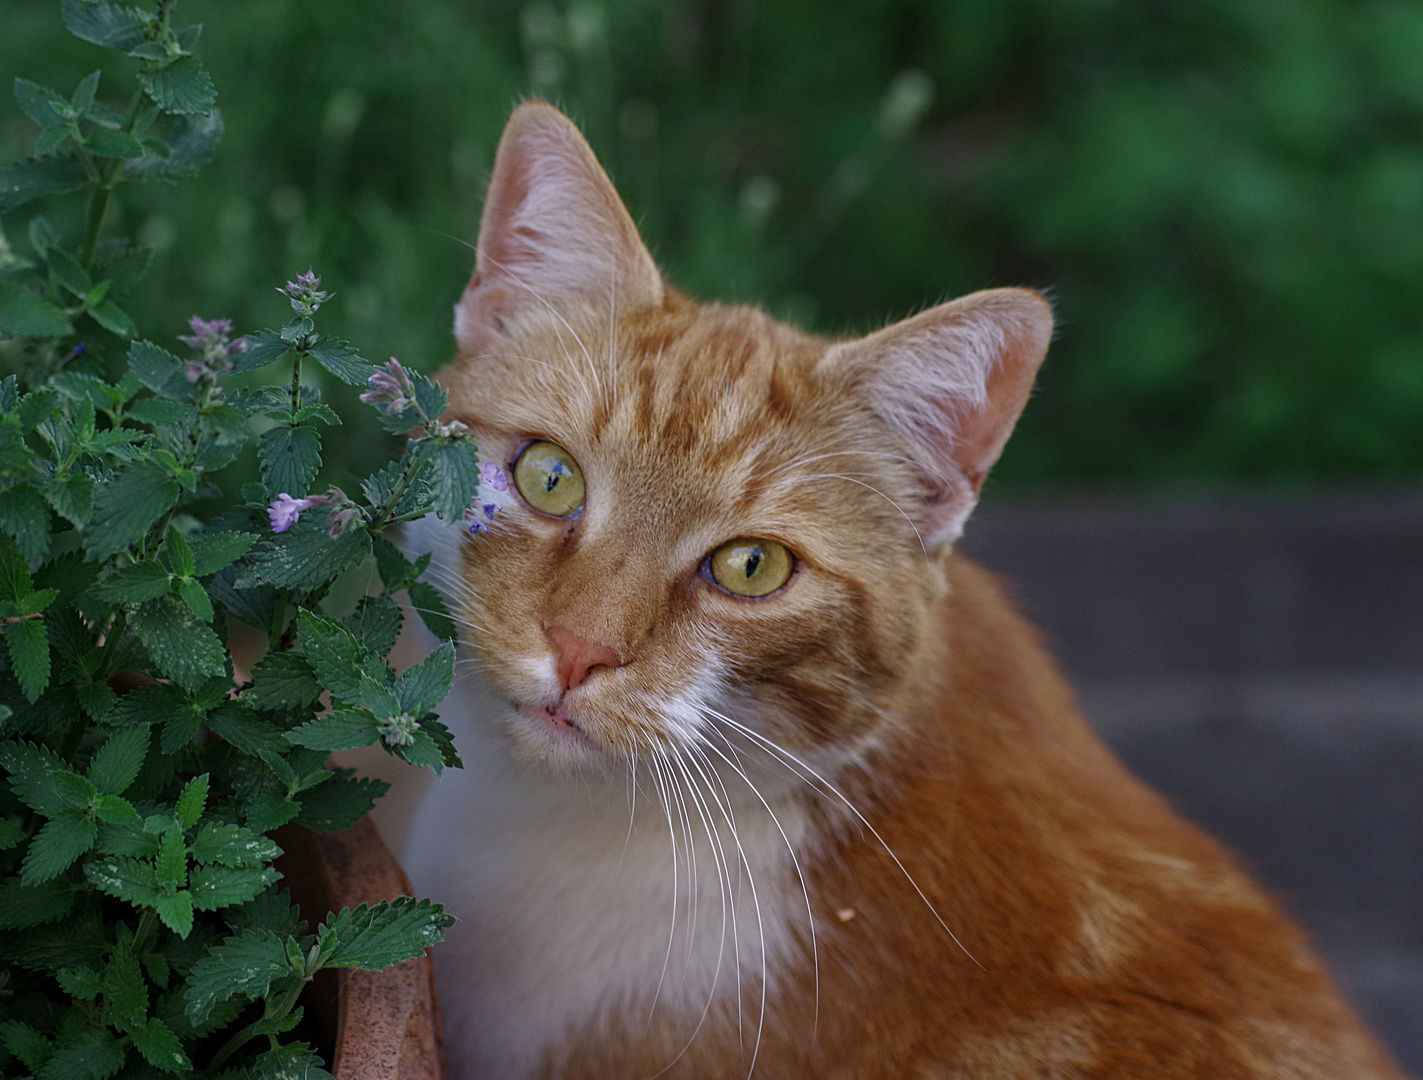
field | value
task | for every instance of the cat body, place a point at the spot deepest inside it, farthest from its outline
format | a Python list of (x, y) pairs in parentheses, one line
[(839, 821)]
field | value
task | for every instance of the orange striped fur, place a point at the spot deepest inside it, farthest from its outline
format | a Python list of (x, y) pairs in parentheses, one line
[(855, 828)]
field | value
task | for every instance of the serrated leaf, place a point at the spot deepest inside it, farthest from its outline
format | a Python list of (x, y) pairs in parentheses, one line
[(341, 359), (180, 554), (27, 314), (248, 734), (95, 698), (44, 106), (127, 878), (25, 516), (455, 469), (292, 1061), (161, 413), (344, 729), (28, 643), (23, 906), (376, 937), (83, 983), (196, 598), (339, 803), (176, 911), (182, 87), (270, 810), (67, 271), (333, 652), (423, 686), (65, 836), (291, 458), (116, 765), (113, 810), (153, 704), (132, 584), (192, 800), (430, 606), (127, 507), (72, 497), (190, 144), (104, 23), (184, 648), (170, 866), (83, 98), (125, 990), (160, 1047), (27, 1044), (213, 552), (30, 179), (263, 348), (304, 557), (43, 782), (215, 887), (376, 623), (244, 964), (283, 681), (93, 1054), (232, 845), (156, 368)]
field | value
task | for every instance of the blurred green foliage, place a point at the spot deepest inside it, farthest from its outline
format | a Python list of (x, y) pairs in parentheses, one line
[(1224, 199)]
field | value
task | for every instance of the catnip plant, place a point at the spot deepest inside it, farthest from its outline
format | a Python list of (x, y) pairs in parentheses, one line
[(144, 929)]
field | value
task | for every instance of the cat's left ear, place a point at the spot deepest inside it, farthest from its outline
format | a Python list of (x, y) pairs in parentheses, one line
[(950, 382)]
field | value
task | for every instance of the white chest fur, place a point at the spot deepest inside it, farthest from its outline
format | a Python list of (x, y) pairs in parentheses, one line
[(575, 906)]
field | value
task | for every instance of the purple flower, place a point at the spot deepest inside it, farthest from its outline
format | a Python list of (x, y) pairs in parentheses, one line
[(304, 293), (492, 476), (210, 339), (390, 387), (285, 510), (194, 370)]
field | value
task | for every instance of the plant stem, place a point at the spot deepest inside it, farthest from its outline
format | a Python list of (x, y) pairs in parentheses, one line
[(99, 201), (274, 1011), (296, 380), (386, 511)]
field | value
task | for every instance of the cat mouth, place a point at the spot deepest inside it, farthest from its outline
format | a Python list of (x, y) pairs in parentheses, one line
[(554, 720)]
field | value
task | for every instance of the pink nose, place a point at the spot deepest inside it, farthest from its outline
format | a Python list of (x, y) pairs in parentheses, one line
[(575, 656)]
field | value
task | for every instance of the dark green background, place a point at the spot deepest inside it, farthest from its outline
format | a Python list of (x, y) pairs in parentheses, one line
[(1225, 199)]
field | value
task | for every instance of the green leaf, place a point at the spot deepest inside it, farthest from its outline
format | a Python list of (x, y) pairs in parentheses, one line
[(25, 516), (304, 557), (248, 734), (26, 180), (344, 729), (183, 648), (339, 803), (11, 835), (191, 143), (27, 1044), (114, 319), (456, 475), (423, 686), (124, 989), (23, 906), (104, 23), (196, 597), (292, 1061), (30, 655), (83, 983), (160, 1047), (132, 584), (232, 845), (162, 413), (216, 550), (41, 781), (93, 1054), (282, 681), (27, 314), (67, 271), (113, 810), (127, 507), (290, 459), (374, 938), (113, 144), (180, 555), (376, 623), (180, 87), (341, 359), (116, 765), (396, 571), (192, 801), (333, 652), (157, 368), (263, 348), (270, 810), (215, 887), (129, 879), (430, 606), (41, 104), (65, 836), (244, 964), (154, 704), (176, 911), (72, 497), (83, 99), (171, 864)]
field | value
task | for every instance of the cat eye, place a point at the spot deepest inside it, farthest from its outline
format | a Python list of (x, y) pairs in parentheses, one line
[(549, 479), (751, 567)]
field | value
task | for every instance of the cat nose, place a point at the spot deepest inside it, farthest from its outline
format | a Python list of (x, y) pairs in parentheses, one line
[(575, 656)]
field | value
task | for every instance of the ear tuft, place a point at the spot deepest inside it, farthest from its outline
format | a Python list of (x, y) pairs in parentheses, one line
[(950, 383), (554, 232)]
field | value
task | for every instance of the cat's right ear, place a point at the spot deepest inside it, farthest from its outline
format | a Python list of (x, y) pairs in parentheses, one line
[(554, 235)]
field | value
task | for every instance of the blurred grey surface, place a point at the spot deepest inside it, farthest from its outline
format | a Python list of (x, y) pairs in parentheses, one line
[(1260, 662)]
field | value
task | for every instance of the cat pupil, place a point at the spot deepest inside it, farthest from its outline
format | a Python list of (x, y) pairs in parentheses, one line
[(554, 476), (752, 562)]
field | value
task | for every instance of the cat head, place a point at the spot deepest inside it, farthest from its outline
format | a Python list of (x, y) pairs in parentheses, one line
[(722, 521)]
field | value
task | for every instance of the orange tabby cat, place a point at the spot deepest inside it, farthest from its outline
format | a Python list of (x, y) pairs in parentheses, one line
[(762, 777)]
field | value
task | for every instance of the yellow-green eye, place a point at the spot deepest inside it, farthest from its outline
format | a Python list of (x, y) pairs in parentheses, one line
[(549, 479), (751, 567)]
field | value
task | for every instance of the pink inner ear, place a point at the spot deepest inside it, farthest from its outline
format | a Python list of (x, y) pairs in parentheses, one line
[(553, 233)]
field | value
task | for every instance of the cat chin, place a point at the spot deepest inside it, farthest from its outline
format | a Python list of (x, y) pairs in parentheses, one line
[(557, 744)]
